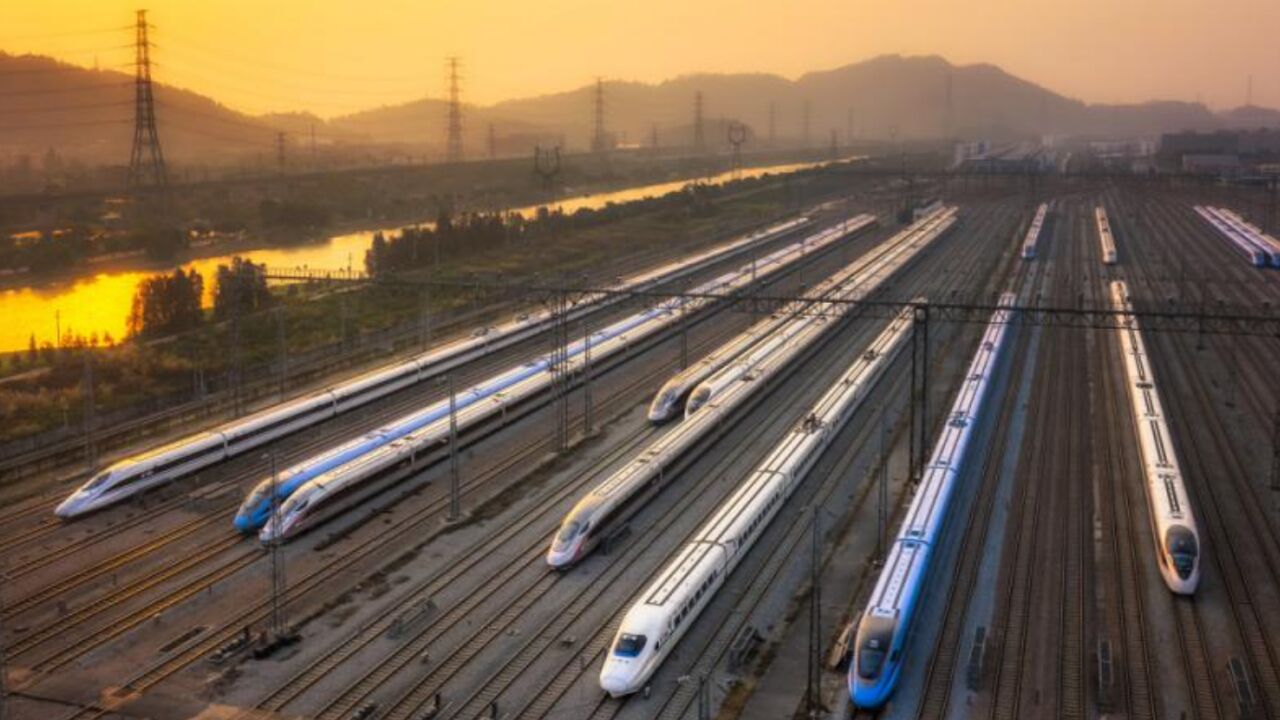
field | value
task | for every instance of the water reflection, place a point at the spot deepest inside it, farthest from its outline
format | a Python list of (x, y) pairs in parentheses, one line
[(99, 303)]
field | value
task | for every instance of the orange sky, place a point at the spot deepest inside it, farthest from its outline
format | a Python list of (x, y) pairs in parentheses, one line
[(336, 56)]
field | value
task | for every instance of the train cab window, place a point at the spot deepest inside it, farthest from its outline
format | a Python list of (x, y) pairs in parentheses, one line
[(870, 661), (98, 482), (629, 645), (569, 532)]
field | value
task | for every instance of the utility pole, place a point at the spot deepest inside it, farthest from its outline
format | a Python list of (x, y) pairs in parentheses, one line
[(453, 141), (146, 161), (599, 143), (588, 407), (813, 686), (282, 348), (737, 136), (90, 452), (455, 509), (698, 143), (4, 656), (546, 165), (278, 588)]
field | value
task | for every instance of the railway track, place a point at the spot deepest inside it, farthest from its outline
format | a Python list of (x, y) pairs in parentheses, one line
[(364, 549), (708, 655), (973, 535)]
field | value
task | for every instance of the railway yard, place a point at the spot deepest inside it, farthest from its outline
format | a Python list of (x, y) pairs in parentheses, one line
[(1043, 594)]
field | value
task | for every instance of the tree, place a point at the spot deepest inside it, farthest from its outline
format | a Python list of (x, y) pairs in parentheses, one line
[(166, 304), (241, 289)]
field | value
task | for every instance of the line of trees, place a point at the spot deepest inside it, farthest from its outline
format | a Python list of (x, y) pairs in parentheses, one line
[(473, 232), (173, 302)]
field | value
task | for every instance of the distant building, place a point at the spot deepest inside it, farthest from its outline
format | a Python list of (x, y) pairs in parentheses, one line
[(1223, 151)]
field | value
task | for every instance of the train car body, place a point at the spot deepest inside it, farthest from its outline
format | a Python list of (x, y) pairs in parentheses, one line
[(348, 468), (138, 473), (1105, 238), (1243, 244), (1243, 233), (1175, 535), (885, 624), (626, 490), (666, 609), (1031, 241)]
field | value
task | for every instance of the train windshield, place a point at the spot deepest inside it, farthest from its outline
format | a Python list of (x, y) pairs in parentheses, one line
[(697, 400), (98, 481), (568, 532), (870, 660), (663, 402), (1183, 550), (629, 646)]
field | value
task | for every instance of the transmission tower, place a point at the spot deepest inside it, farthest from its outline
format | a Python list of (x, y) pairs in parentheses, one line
[(698, 143), (737, 135), (598, 141), (453, 143), (146, 162), (280, 158), (804, 128)]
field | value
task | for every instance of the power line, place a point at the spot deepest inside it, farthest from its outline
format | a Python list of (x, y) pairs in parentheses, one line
[(60, 90), (69, 33)]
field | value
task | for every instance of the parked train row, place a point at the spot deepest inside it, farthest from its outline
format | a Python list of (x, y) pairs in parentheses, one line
[(625, 491), (668, 607), (1173, 524), (326, 484), (1259, 248), (155, 467), (1032, 239), (885, 624), (1104, 236)]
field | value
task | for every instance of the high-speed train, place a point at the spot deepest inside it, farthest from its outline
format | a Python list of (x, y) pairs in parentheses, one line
[(1265, 242), (669, 401), (667, 608), (1252, 243), (1104, 236), (1173, 524), (1032, 239), (746, 366), (135, 474), (626, 490), (349, 469), (882, 632)]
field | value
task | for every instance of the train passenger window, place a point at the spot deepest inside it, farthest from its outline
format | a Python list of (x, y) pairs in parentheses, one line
[(629, 645)]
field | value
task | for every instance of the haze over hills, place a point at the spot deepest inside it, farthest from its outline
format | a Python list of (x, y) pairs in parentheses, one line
[(87, 114)]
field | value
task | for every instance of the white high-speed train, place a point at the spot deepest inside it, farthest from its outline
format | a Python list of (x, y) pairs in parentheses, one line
[(135, 474), (885, 624), (1032, 239), (669, 402), (1104, 236), (1173, 524), (328, 482), (667, 608), (1258, 248), (626, 490)]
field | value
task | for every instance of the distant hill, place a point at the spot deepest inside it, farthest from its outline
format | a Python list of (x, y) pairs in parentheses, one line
[(87, 114)]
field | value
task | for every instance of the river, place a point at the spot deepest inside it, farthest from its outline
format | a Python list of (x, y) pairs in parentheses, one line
[(100, 303)]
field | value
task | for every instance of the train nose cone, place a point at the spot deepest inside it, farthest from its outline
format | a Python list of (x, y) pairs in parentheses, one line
[(614, 682), (243, 522), (67, 508), (561, 558)]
